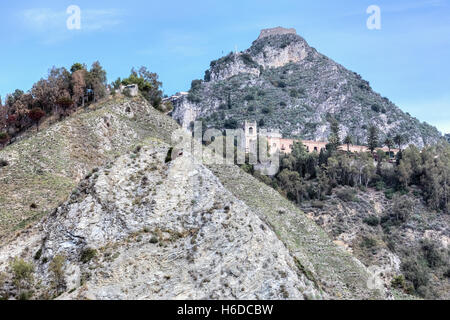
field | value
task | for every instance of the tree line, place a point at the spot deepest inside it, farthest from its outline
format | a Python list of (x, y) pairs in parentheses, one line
[(63, 91), (307, 176)]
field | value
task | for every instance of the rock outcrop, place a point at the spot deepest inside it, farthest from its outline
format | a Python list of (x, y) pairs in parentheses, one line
[(45, 167)]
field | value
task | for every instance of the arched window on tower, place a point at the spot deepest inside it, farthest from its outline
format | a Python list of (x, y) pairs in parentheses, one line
[(250, 130)]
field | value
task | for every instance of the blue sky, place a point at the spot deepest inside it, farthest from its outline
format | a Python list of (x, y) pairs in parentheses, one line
[(406, 61)]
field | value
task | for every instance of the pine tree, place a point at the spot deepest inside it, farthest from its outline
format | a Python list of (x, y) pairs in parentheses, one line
[(389, 143), (348, 140), (399, 140), (372, 138), (333, 138)]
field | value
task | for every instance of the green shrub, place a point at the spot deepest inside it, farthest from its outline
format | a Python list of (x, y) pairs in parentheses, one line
[(56, 267), (416, 272), (193, 98), (368, 242), (402, 208), (380, 185), (432, 254), (372, 221), (347, 195), (87, 255), (266, 110), (398, 282), (231, 124), (196, 84), (389, 194), (3, 137), (248, 60), (293, 93), (376, 108), (22, 275)]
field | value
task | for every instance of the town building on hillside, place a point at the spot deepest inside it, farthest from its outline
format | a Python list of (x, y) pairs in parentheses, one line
[(277, 143), (250, 136), (175, 97), (132, 90)]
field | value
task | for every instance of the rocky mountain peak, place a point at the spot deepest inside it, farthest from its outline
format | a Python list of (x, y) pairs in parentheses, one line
[(286, 84)]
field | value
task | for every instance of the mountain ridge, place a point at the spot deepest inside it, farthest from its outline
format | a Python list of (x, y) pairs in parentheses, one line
[(288, 85)]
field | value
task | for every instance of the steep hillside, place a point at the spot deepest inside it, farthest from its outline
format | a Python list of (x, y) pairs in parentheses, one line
[(336, 272), (42, 169), (416, 250), (154, 224), (159, 230), (290, 86)]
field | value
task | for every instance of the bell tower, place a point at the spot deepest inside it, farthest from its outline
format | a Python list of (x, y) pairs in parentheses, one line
[(251, 135)]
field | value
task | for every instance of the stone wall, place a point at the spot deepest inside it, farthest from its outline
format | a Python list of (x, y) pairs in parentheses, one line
[(276, 31)]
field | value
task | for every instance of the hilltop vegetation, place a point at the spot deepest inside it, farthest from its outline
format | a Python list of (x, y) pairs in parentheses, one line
[(63, 92)]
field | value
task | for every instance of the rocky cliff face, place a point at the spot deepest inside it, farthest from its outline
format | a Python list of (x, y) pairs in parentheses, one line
[(45, 167), (290, 86), (160, 231)]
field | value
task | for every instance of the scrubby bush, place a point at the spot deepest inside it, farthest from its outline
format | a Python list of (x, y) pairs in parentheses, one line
[(416, 272), (56, 267), (402, 208), (431, 253), (22, 273), (389, 193), (368, 242), (231, 124), (380, 185), (372, 221), (248, 60), (196, 84), (266, 110), (4, 138), (193, 98), (376, 108), (347, 195), (249, 97), (398, 282), (87, 255)]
